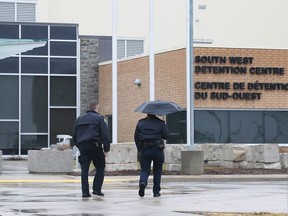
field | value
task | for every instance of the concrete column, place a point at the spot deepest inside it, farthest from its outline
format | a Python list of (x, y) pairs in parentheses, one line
[(192, 162)]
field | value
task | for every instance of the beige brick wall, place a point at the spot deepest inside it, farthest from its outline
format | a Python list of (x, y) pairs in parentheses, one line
[(170, 83), (261, 58)]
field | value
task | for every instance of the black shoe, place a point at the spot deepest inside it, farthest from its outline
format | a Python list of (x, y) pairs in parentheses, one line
[(86, 195), (141, 191), (157, 195), (98, 193)]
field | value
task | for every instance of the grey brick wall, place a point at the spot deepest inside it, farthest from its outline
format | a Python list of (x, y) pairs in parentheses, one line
[(89, 59)]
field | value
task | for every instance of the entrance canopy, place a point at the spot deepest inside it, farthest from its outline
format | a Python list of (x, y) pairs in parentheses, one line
[(10, 47)]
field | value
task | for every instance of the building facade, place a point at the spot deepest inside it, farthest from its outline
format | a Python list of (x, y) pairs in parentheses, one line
[(239, 94), (63, 91), (38, 87)]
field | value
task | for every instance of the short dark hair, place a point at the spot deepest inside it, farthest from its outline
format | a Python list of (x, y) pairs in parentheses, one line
[(92, 105)]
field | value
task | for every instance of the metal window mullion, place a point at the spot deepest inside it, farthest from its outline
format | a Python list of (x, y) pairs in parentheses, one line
[(15, 12), (48, 86), (125, 48), (78, 83), (19, 100)]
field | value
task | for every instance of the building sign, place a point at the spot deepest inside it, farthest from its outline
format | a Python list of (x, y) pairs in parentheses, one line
[(222, 65)]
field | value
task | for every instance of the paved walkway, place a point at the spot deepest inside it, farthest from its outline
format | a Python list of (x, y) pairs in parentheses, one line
[(22, 193)]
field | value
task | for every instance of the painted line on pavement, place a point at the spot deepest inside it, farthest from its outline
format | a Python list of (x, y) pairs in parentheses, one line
[(60, 180)]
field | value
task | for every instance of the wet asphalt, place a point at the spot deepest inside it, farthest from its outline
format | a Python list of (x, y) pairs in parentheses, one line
[(23, 193)]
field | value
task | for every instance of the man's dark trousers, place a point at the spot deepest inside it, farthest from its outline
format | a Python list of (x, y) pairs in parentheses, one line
[(147, 156), (89, 152)]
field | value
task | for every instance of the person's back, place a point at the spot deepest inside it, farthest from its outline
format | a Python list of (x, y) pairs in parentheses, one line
[(148, 137), (92, 138), (92, 127), (152, 128)]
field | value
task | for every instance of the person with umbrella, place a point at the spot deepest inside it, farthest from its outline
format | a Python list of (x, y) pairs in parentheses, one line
[(148, 136)]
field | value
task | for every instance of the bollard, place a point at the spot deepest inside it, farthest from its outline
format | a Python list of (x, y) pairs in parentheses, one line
[(192, 162)]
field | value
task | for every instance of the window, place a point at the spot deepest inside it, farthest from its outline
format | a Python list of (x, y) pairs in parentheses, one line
[(63, 48), (63, 66), (34, 65), (9, 65), (37, 88), (17, 12), (33, 142), (176, 123), (231, 126), (9, 97), (127, 48), (34, 117), (9, 137), (63, 91), (61, 122)]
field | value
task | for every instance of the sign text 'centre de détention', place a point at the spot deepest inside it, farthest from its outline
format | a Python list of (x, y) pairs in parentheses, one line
[(237, 65)]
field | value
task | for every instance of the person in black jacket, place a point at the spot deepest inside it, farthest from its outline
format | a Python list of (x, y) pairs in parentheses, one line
[(148, 137), (92, 138)]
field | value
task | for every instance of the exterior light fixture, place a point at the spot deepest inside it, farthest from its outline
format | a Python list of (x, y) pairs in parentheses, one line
[(137, 82), (202, 7)]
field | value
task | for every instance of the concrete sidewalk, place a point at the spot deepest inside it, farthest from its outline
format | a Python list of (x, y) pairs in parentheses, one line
[(22, 193), (18, 169)]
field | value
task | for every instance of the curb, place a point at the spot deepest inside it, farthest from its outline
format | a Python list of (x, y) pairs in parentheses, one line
[(226, 178)]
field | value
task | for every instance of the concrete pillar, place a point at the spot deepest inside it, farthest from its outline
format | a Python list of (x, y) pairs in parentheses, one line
[(192, 162)]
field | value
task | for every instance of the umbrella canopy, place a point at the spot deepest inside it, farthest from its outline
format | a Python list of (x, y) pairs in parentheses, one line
[(159, 107)]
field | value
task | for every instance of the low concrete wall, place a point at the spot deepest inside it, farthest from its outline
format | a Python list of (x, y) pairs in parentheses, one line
[(0, 162), (266, 156), (284, 160), (122, 157), (50, 161)]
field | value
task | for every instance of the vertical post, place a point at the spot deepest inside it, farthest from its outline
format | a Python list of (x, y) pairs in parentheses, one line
[(151, 52), (114, 73), (190, 74)]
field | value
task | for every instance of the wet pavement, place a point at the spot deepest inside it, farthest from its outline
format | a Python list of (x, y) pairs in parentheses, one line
[(22, 193)]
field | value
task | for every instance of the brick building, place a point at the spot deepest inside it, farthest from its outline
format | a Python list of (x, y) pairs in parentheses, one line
[(240, 94)]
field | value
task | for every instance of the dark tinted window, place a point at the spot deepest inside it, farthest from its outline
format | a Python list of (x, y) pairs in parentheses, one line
[(63, 91), (276, 127), (62, 122), (211, 126), (34, 32), (34, 91), (9, 65), (34, 65), (38, 51), (63, 32), (224, 126), (62, 66), (9, 97), (63, 48), (176, 123), (9, 138), (33, 142), (246, 127), (9, 31)]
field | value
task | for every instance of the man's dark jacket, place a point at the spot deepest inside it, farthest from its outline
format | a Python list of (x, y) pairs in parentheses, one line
[(91, 127), (150, 129)]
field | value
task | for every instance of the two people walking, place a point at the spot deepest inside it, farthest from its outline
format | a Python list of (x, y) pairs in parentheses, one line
[(91, 136)]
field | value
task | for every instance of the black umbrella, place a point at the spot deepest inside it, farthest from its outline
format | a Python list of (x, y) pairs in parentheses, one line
[(158, 107)]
